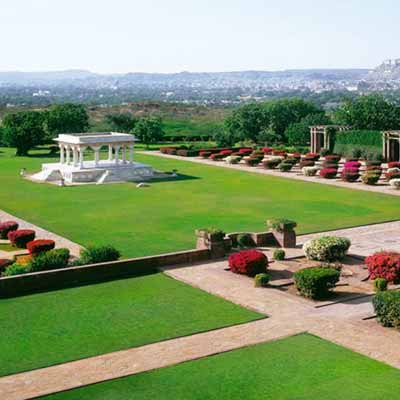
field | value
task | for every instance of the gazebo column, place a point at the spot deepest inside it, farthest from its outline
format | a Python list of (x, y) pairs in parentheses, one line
[(116, 150), (123, 154), (68, 154), (110, 152), (96, 150), (61, 153), (74, 156), (131, 153), (81, 151)]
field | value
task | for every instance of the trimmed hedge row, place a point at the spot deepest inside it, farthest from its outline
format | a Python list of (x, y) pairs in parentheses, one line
[(387, 308)]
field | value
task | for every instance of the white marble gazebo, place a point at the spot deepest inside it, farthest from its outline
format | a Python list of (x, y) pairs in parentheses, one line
[(74, 168)]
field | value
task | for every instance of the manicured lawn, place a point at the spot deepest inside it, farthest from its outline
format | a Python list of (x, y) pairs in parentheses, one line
[(301, 367), (55, 327), (163, 217)]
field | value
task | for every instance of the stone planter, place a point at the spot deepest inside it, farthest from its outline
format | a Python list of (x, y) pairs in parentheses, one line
[(284, 233), (216, 242)]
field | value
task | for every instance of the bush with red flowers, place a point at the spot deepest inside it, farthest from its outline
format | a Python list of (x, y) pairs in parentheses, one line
[(38, 246), (267, 150), (226, 153), (352, 164), (245, 151), (4, 263), (6, 227), (333, 157), (394, 164), (281, 153), (312, 156), (216, 157), (350, 175), (306, 163), (205, 154), (384, 264), (248, 262), (21, 237), (328, 164), (392, 175), (328, 173)]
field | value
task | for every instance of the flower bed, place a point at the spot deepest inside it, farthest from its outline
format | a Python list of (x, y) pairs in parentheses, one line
[(248, 262)]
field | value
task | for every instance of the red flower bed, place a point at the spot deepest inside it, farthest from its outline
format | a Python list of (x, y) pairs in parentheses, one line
[(40, 245), (394, 164), (248, 262), (384, 264), (328, 173), (4, 263), (6, 227), (21, 237)]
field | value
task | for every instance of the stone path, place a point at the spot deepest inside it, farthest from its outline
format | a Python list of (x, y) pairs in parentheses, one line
[(297, 175), (341, 323), (41, 233)]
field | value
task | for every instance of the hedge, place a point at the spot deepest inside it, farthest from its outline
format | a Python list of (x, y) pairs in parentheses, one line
[(316, 282), (387, 308)]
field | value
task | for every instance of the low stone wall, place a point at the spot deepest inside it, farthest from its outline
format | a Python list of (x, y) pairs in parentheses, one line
[(74, 276)]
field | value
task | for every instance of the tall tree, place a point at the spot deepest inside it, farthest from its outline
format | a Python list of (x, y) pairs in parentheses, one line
[(149, 130), (23, 130), (65, 118), (122, 122), (371, 112)]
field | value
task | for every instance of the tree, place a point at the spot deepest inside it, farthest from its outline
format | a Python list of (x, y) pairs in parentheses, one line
[(370, 112), (122, 122), (149, 130), (65, 118), (23, 130), (298, 133)]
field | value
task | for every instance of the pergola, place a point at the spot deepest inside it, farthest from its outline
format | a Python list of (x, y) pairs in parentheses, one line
[(73, 146), (321, 136), (391, 145)]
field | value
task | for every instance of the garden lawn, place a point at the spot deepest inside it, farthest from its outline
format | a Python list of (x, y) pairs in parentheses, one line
[(55, 327), (301, 367), (163, 217)]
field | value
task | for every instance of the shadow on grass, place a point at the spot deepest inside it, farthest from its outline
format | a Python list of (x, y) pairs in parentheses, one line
[(180, 177)]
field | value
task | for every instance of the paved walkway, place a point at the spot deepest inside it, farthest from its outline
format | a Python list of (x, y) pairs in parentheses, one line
[(341, 323), (41, 233), (295, 174)]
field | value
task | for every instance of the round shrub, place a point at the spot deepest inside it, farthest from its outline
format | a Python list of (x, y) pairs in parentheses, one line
[(4, 263), (395, 183), (392, 175), (40, 245), (328, 164), (312, 156), (380, 284), (279, 254), (267, 150), (49, 260), (272, 163), (248, 262), (216, 157), (233, 159), (306, 163), (244, 240), (205, 154), (384, 264), (6, 227), (98, 254), (281, 153), (285, 167), (316, 282), (352, 164), (252, 161), (226, 153), (350, 176), (333, 158), (387, 308), (328, 173), (370, 178), (326, 248), (21, 237), (310, 171), (245, 151), (261, 280), (291, 160)]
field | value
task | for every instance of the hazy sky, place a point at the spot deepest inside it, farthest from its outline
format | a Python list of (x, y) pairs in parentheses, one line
[(201, 35)]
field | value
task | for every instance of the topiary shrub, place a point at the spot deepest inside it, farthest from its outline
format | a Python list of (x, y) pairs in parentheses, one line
[(16, 269), (326, 248), (98, 254), (261, 280), (6, 227), (279, 254), (248, 262), (316, 282), (370, 178), (21, 237), (244, 240), (4, 263), (272, 163), (52, 259), (380, 284), (310, 171), (387, 308), (285, 167), (38, 246), (384, 264), (328, 173)]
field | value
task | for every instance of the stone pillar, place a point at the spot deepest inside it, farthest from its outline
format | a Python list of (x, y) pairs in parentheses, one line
[(61, 153), (68, 154), (110, 152), (123, 154), (81, 151), (116, 149), (74, 156), (96, 150), (131, 153)]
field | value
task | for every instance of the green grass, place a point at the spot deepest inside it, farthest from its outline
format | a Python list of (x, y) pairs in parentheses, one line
[(163, 217), (55, 327), (7, 247), (301, 367)]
